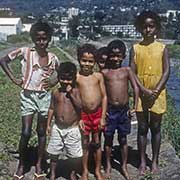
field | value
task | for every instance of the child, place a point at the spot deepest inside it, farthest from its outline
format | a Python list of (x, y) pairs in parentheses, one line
[(149, 60), (116, 81), (65, 106), (101, 57), (94, 102), (37, 65)]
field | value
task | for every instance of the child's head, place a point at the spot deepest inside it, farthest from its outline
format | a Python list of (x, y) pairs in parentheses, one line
[(117, 52), (148, 23), (67, 74), (101, 57), (41, 34), (86, 57)]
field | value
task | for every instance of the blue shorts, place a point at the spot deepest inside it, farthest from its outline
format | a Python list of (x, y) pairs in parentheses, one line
[(118, 119)]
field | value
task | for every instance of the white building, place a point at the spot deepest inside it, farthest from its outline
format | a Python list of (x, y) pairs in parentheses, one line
[(73, 12), (126, 30), (26, 27), (10, 26)]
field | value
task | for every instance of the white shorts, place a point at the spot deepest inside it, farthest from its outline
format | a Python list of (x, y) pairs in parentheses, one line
[(68, 139)]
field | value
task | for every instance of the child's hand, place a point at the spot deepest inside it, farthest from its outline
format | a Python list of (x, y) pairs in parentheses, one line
[(68, 88), (48, 130), (81, 125), (131, 112), (102, 123)]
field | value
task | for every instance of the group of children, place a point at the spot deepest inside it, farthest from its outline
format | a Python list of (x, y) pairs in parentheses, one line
[(90, 102)]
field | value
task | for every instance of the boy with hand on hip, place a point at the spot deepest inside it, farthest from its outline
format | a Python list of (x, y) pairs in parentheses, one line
[(94, 102), (37, 64), (116, 82)]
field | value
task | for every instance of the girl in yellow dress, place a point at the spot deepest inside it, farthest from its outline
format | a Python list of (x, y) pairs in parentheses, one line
[(149, 60)]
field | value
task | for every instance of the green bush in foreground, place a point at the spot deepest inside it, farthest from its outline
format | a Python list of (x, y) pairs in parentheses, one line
[(171, 125)]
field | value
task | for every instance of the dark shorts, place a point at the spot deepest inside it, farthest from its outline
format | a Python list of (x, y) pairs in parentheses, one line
[(118, 119)]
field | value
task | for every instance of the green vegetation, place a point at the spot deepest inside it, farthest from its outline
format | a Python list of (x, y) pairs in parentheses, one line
[(174, 51), (3, 45), (171, 126), (58, 53), (20, 38)]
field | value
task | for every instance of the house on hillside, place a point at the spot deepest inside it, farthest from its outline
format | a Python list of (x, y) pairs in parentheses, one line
[(9, 26)]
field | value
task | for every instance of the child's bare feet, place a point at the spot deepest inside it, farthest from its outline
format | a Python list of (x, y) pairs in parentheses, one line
[(84, 176), (19, 174), (155, 169), (142, 170), (125, 174), (73, 176), (99, 176), (108, 173)]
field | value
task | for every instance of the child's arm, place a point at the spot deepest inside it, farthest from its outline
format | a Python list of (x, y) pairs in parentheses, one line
[(50, 115), (165, 74), (4, 64), (135, 87), (74, 96), (104, 100)]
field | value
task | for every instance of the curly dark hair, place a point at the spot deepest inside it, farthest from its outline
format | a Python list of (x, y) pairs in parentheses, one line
[(41, 26), (143, 16), (117, 44), (67, 69), (86, 48), (101, 51)]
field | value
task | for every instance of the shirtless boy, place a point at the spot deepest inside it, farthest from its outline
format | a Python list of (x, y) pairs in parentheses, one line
[(94, 103), (116, 81), (66, 107)]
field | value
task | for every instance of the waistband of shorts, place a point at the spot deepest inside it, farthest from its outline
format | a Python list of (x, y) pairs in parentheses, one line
[(118, 106), (61, 126)]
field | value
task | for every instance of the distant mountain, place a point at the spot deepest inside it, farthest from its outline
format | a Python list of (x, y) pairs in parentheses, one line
[(41, 6)]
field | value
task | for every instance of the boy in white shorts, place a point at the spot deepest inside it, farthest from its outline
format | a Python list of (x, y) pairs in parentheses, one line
[(66, 107)]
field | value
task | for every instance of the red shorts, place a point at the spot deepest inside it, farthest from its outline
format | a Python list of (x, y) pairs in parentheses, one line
[(91, 121)]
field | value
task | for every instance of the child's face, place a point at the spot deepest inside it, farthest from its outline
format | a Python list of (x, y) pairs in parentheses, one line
[(149, 28), (116, 57), (65, 81), (41, 40), (102, 61), (87, 63)]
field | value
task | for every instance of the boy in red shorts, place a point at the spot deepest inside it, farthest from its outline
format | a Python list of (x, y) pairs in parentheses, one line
[(94, 103)]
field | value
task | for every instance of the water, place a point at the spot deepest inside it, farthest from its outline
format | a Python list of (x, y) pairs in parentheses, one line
[(173, 86)]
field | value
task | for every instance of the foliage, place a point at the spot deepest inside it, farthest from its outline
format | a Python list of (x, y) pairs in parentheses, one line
[(58, 53), (174, 51), (3, 45), (20, 38), (171, 125)]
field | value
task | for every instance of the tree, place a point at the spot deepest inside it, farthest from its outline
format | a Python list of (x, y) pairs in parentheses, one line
[(73, 26)]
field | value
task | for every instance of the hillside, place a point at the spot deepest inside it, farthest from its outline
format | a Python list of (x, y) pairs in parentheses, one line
[(41, 6)]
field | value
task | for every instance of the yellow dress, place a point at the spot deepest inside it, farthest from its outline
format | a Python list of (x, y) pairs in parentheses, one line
[(148, 60)]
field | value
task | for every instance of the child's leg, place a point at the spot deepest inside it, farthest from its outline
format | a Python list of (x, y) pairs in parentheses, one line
[(85, 146), (98, 155), (155, 126), (41, 131), (142, 139), (124, 154), (53, 164), (108, 149), (25, 136)]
